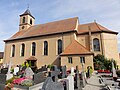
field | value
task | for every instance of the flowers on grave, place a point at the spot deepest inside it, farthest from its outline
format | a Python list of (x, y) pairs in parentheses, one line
[(10, 80), (18, 80), (9, 86), (27, 82)]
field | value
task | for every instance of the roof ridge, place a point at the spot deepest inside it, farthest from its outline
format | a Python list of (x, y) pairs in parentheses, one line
[(98, 26), (58, 20)]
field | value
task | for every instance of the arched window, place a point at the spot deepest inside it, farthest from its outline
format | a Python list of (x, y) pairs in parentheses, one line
[(96, 44), (45, 48), (59, 46), (23, 20), (33, 48), (22, 49), (13, 51), (31, 21)]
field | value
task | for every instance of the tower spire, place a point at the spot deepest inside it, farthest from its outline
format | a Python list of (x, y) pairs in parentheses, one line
[(27, 6), (26, 20)]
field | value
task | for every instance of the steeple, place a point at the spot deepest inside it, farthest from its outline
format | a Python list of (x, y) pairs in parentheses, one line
[(26, 20)]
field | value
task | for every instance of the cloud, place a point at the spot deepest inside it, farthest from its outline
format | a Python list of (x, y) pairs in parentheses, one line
[(105, 12)]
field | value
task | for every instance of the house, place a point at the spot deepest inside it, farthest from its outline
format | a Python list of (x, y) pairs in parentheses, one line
[(63, 42)]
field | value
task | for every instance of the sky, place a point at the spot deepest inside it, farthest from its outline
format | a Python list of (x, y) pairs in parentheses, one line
[(105, 12)]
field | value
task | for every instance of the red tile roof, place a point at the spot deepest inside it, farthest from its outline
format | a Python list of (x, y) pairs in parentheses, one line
[(75, 48), (66, 25), (31, 58), (94, 27), (48, 28)]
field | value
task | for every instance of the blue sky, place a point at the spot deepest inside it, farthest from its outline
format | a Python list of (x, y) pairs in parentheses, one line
[(105, 12)]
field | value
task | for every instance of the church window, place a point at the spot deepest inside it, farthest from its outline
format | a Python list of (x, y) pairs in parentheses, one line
[(59, 46), (82, 59), (33, 48), (70, 60), (45, 48), (96, 44), (22, 49), (13, 51), (23, 20), (31, 21)]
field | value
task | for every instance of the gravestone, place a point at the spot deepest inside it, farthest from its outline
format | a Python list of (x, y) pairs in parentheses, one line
[(2, 78), (64, 73), (28, 73), (20, 67), (54, 75), (77, 79), (9, 75), (71, 82), (2, 81), (47, 81), (16, 70), (4, 70), (39, 77), (24, 68), (65, 83), (72, 71), (43, 68), (50, 85)]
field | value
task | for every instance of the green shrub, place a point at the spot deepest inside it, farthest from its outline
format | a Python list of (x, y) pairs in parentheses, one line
[(49, 66), (10, 80)]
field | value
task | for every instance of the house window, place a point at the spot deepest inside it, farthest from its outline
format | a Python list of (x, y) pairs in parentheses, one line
[(45, 48), (23, 20), (31, 21), (59, 46), (33, 48), (96, 44), (82, 59), (70, 60), (13, 51), (22, 49)]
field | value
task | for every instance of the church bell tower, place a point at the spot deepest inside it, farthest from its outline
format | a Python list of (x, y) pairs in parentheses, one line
[(26, 20)]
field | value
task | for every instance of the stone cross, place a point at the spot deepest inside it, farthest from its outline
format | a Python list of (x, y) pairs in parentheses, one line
[(9, 75)]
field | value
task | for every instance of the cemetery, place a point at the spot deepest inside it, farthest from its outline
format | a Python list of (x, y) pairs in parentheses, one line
[(22, 77), (52, 77)]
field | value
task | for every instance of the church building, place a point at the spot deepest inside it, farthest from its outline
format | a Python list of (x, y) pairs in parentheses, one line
[(63, 42)]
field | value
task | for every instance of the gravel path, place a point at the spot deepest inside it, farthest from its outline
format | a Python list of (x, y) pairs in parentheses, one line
[(93, 83)]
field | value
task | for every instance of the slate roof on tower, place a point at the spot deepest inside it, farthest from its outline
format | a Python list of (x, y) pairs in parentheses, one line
[(75, 48), (27, 12)]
